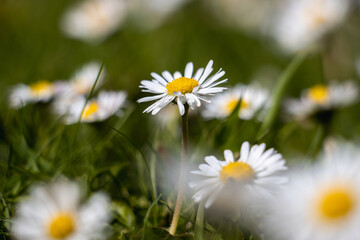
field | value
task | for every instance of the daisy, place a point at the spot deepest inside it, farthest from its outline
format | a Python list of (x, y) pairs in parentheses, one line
[(56, 211), (149, 14), (255, 170), (253, 100), (302, 22), (22, 94), (320, 203), (104, 106), (190, 88), (323, 98), (93, 20), (83, 80), (247, 15)]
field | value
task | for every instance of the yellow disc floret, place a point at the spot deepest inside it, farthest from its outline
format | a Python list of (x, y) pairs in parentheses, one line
[(230, 106), (336, 203), (238, 171), (42, 87), (90, 109), (318, 94), (62, 225), (183, 85)]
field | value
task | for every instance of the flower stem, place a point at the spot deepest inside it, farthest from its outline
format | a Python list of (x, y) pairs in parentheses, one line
[(183, 166)]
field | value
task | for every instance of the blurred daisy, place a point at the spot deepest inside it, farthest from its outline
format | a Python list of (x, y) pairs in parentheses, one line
[(104, 106), (93, 20), (21, 94), (321, 203), (302, 22), (253, 100), (56, 211), (249, 15), (190, 88), (83, 80), (149, 14), (323, 98), (255, 171)]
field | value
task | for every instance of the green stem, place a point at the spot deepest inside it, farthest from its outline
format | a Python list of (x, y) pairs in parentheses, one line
[(199, 224), (279, 91), (180, 193)]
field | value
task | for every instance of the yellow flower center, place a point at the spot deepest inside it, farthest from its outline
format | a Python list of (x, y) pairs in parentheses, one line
[(318, 94), (238, 171), (90, 109), (62, 225), (336, 203), (230, 106), (183, 85), (41, 87)]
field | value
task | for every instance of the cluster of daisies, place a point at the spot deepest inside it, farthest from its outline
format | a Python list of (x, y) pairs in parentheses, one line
[(69, 98), (295, 25), (324, 201)]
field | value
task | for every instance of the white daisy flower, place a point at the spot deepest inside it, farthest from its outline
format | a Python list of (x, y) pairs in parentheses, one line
[(255, 170), (322, 203), (323, 98), (190, 88), (104, 106), (149, 14), (302, 22), (55, 211), (249, 15), (93, 20), (253, 100), (22, 94), (83, 80)]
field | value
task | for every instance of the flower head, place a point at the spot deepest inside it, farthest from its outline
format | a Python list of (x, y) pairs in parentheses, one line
[(97, 109), (303, 22), (253, 100), (55, 211), (83, 80), (42, 91), (255, 170), (320, 203), (93, 20), (190, 88), (322, 98)]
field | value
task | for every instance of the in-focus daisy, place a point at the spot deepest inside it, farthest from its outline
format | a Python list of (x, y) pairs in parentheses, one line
[(323, 98), (255, 170), (105, 105), (83, 80), (21, 94), (56, 211), (322, 203), (93, 20), (302, 22), (190, 88), (253, 100)]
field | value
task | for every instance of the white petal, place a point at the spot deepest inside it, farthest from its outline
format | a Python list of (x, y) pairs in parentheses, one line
[(159, 78), (229, 156), (198, 73), (207, 72), (189, 70), (213, 162), (151, 98), (244, 151), (167, 76), (180, 106), (177, 75)]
